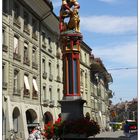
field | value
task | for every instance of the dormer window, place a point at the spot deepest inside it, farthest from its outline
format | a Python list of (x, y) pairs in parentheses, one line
[(16, 10)]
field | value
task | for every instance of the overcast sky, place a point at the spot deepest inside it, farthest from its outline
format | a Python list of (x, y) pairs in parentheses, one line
[(109, 27)]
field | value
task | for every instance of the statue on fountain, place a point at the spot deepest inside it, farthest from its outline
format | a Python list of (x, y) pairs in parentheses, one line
[(69, 9)]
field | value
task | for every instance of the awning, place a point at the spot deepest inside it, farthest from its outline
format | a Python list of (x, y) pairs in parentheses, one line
[(35, 85), (26, 82)]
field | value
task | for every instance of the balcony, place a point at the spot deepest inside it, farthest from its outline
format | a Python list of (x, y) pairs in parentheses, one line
[(4, 48), (26, 61), (34, 35), (58, 79), (44, 46), (51, 103), (45, 102), (34, 95), (17, 22), (4, 85), (16, 91), (26, 29), (34, 65), (26, 93), (50, 77), (17, 56), (44, 75)]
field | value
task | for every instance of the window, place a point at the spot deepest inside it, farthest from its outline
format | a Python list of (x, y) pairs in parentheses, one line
[(58, 92), (44, 92), (58, 70), (4, 46), (4, 83), (26, 85), (57, 46), (81, 78), (35, 88), (49, 41), (50, 68), (34, 58), (4, 6), (50, 92), (50, 47), (34, 25), (43, 37), (16, 10), (16, 44), (86, 79), (26, 54), (85, 58), (26, 19), (16, 82), (34, 29), (43, 65), (3, 72), (50, 72), (44, 74), (16, 116), (3, 123), (25, 51), (34, 54), (3, 36)]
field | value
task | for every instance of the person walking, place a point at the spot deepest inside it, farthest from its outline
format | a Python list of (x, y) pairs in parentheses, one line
[(36, 134), (126, 129)]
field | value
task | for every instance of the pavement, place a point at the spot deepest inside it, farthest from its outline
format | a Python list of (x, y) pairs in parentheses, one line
[(116, 135), (109, 135)]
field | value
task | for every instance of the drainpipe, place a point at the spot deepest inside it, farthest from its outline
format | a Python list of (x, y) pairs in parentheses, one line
[(40, 21)]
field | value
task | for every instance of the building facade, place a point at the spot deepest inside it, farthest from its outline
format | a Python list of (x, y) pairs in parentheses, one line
[(100, 92), (32, 69), (85, 76)]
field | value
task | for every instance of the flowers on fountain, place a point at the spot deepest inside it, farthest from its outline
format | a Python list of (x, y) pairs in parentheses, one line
[(79, 127), (48, 130)]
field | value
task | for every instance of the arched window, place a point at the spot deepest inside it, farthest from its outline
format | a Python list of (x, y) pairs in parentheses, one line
[(31, 118), (48, 117), (16, 115)]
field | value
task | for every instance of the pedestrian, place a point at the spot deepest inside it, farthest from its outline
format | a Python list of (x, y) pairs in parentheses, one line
[(35, 134), (126, 129)]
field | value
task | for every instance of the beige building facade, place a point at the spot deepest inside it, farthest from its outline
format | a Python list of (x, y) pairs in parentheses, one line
[(32, 69)]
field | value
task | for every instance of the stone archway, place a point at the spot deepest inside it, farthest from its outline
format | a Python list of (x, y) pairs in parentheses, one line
[(16, 119), (48, 117), (31, 118)]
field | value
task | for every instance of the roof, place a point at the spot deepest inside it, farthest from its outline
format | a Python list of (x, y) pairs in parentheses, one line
[(43, 10)]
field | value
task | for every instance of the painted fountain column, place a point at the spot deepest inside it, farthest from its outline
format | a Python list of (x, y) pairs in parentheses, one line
[(70, 38)]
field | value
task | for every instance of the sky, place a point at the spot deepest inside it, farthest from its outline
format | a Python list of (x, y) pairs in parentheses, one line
[(109, 27)]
